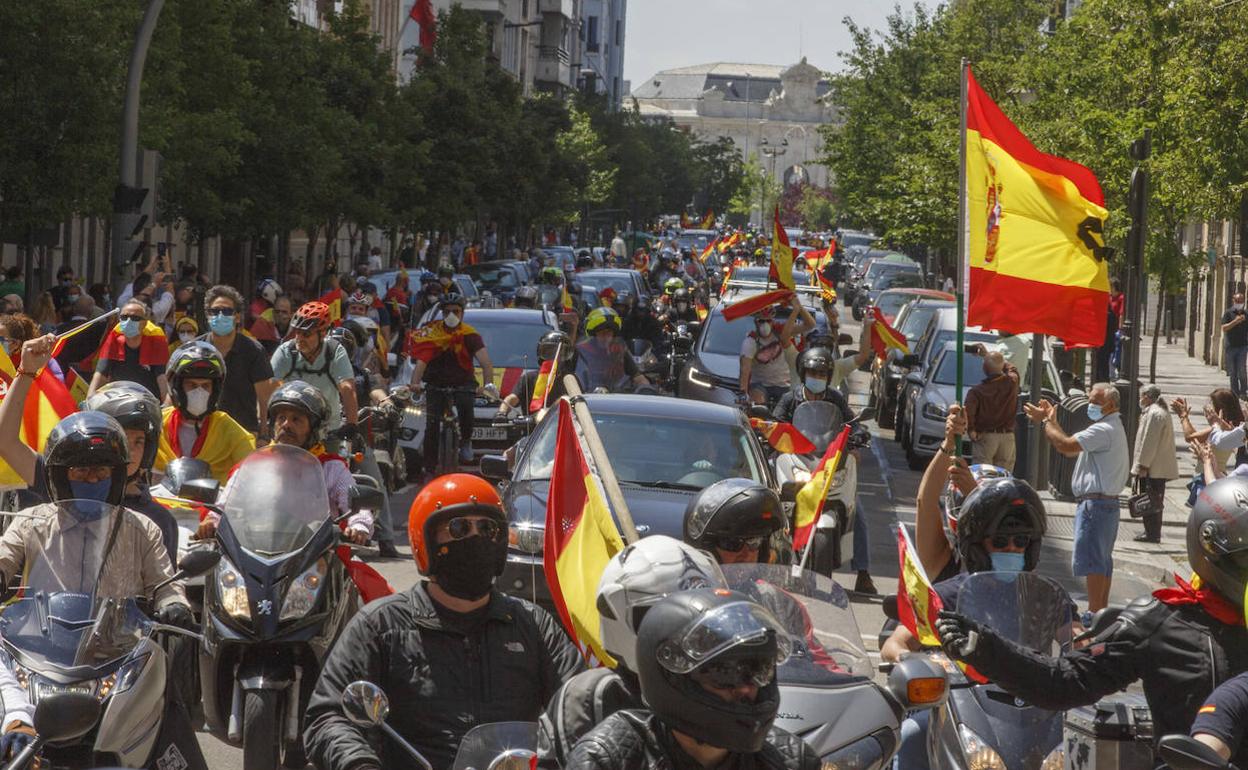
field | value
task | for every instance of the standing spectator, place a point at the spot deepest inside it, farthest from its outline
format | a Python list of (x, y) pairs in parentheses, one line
[(12, 303), (1101, 469), (328, 279), (375, 263), (154, 290), (619, 250), (1221, 402), (101, 293), (44, 312), (1155, 461), (1236, 331), (136, 350), (64, 282), (990, 409), (491, 242), (296, 285), (248, 374)]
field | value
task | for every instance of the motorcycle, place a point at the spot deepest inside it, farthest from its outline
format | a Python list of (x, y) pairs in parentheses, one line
[(275, 604), (828, 695), (493, 746), (188, 486), (820, 422), (1183, 752), (60, 718), (379, 430), (62, 637)]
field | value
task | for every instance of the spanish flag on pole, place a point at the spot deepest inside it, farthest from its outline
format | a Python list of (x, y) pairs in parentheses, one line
[(546, 377), (782, 436), (708, 251), (334, 300), (47, 403), (884, 336), (1035, 250), (917, 603), (581, 537), (781, 256), (810, 498), (708, 221)]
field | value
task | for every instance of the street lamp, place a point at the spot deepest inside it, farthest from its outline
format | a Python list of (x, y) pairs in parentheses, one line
[(770, 152)]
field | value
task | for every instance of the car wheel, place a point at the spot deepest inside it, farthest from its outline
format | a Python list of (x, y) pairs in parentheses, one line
[(913, 459), (886, 414), (859, 311)]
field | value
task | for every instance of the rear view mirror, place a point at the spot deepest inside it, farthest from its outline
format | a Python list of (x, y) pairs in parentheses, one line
[(789, 490), (759, 411), (365, 704), (198, 561), (909, 360), (844, 339), (200, 490), (366, 498), (866, 415), (66, 716), (918, 683), (495, 467)]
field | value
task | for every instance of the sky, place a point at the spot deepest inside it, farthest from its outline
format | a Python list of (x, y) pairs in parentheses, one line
[(663, 34)]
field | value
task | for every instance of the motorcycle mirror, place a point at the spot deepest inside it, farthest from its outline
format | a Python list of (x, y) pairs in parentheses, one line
[(909, 360), (513, 759), (200, 490), (1183, 752), (789, 490), (866, 415), (198, 561), (890, 607), (844, 339), (918, 683), (495, 467), (365, 704), (66, 716), (759, 411), (366, 497)]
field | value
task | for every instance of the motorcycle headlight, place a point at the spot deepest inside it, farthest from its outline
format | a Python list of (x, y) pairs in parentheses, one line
[(700, 378), (838, 480), (1056, 759), (979, 755), (863, 754), (301, 596), (934, 411), (528, 537), (232, 590), (123, 678)]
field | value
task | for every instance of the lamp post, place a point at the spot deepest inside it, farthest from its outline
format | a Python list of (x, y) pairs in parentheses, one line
[(769, 152)]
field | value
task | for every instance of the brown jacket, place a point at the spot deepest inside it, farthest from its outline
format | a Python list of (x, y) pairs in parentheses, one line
[(991, 405)]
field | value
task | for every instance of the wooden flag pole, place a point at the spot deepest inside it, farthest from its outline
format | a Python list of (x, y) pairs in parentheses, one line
[(610, 485)]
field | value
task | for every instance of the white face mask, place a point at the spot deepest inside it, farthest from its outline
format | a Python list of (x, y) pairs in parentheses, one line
[(764, 330), (451, 320), (186, 336), (197, 402)]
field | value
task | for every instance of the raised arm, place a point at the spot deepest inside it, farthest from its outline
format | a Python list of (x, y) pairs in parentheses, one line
[(35, 355)]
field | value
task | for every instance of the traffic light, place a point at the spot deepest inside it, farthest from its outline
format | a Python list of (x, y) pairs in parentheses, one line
[(129, 219)]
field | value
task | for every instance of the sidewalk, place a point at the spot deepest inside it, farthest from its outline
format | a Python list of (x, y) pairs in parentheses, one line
[(1177, 375)]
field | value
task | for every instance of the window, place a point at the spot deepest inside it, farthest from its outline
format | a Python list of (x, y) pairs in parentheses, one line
[(591, 35), (524, 10), (619, 33)]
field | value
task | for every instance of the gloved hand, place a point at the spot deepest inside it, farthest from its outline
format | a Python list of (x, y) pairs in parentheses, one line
[(17, 736), (958, 634), (490, 390), (177, 614), (349, 431)]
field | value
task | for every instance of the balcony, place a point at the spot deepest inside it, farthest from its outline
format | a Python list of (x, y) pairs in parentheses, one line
[(554, 69), (490, 10), (565, 8)]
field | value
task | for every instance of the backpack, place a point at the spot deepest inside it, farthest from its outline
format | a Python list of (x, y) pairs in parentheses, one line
[(300, 367)]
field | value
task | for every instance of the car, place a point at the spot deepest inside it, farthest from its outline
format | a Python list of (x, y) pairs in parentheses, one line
[(695, 239), (886, 372), (510, 336), (714, 369), (663, 451), (501, 278), (890, 301), (748, 281), (620, 279), (847, 239), (876, 270), (897, 279), (563, 257)]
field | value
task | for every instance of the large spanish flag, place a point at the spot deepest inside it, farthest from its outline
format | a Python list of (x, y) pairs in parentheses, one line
[(917, 603), (153, 345), (811, 496), (1036, 253), (47, 403), (781, 255), (429, 341), (546, 377), (751, 305), (580, 537)]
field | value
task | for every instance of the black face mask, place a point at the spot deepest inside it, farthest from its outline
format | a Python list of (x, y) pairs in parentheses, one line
[(466, 568)]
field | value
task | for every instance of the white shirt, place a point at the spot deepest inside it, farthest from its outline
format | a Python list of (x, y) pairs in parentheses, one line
[(1105, 462), (1227, 440)]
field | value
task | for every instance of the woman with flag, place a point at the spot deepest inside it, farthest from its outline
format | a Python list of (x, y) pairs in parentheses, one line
[(135, 350)]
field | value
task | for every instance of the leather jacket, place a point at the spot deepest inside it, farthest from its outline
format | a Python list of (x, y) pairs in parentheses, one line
[(579, 706)]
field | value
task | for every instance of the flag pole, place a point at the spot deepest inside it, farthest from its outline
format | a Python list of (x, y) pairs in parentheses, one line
[(963, 244), (84, 326), (610, 485)]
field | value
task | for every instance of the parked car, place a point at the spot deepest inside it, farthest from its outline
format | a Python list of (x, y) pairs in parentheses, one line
[(891, 300), (886, 372), (875, 270), (896, 279), (620, 279), (663, 451)]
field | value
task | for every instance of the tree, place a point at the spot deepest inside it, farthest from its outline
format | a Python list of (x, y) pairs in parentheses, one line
[(817, 208)]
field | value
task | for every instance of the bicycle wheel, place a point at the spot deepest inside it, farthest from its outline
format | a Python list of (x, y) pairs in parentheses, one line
[(448, 448)]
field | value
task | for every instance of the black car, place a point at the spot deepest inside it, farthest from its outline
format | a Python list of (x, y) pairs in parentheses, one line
[(887, 372), (620, 279), (663, 451), (500, 278)]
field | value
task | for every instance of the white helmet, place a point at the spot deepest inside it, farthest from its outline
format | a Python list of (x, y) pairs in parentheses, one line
[(640, 576), (268, 290)]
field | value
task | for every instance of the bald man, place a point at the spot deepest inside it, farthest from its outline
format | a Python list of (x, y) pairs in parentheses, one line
[(990, 411)]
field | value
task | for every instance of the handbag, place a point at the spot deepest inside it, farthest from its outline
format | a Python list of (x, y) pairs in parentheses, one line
[(1140, 503)]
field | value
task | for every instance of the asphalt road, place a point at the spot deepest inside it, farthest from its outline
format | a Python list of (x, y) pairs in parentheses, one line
[(886, 492)]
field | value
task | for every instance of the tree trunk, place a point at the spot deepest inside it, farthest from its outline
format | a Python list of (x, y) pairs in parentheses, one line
[(1161, 309), (331, 240), (310, 268)]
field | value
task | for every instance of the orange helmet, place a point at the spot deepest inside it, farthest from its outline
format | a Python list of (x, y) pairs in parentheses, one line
[(310, 315), (455, 494)]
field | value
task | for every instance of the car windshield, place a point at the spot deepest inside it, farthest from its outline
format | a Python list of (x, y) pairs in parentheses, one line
[(621, 282), (645, 450), (891, 302), (510, 342), (947, 369), (950, 335), (916, 320), (488, 277), (899, 279), (881, 266), (856, 239), (466, 286)]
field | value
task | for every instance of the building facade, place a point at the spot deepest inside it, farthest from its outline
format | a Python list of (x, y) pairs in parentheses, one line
[(602, 49)]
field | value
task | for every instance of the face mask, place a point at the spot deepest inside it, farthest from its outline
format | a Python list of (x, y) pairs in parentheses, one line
[(89, 490), (1005, 561), (466, 568), (451, 321), (1237, 306), (74, 298), (764, 329), (816, 384), (186, 336), (221, 325), (197, 402), (130, 327), (1095, 412), (108, 299)]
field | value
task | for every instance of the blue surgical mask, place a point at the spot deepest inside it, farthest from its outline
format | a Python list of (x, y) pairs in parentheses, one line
[(131, 327), (89, 490), (1095, 412), (816, 384), (221, 325), (1008, 561)]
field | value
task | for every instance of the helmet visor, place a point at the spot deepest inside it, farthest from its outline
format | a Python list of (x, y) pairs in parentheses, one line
[(723, 628)]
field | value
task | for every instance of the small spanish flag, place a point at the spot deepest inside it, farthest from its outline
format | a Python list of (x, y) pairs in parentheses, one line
[(781, 256), (918, 604), (546, 377), (782, 436), (710, 249), (812, 495), (884, 336), (334, 300), (708, 221)]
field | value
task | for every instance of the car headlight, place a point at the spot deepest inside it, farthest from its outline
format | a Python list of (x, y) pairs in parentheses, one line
[(301, 596), (934, 411), (700, 378), (527, 536), (232, 590), (979, 755), (1056, 759)]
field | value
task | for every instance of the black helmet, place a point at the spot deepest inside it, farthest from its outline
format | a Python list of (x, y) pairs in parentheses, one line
[(345, 337), (526, 296), (451, 298), (733, 508), (84, 439), (357, 330), (198, 359), (693, 634), (1217, 537), (584, 262), (816, 362), (446, 271), (999, 506), (551, 342), (134, 408), (299, 395), (680, 295)]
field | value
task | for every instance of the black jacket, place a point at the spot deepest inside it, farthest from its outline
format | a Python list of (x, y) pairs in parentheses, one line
[(579, 706), (637, 740), (441, 682), (1179, 652)]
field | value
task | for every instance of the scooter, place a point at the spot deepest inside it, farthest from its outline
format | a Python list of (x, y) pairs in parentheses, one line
[(275, 604), (828, 694), (820, 422), (60, 637), (187, 487), (493, 746)]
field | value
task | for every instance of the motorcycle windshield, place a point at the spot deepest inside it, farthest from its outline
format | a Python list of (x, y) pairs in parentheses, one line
[(818, 421), (604, 373), (1028, 609), (815, 612), (498, 746), (276, 500)]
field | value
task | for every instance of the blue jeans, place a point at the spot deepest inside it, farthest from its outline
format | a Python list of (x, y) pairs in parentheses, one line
[(1236, 359), (912, 748), (1096, 529), (861, 560)]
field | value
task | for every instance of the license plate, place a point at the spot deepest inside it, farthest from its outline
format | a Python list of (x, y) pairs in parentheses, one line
[(489, 434)]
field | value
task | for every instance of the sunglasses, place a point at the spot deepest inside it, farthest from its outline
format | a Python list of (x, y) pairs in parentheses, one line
[(132, 317), (461, 527), (225, 311), (735, 544), (730, 674), (1004, 541)]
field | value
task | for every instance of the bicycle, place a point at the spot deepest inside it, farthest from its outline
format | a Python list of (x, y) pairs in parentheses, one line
[(449, 438)]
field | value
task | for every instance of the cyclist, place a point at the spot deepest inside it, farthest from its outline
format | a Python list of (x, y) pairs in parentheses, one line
[(552, 343), (322, 363), (602, 359), (444, 351)]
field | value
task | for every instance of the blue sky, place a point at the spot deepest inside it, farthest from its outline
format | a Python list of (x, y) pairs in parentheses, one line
[(662, 34)]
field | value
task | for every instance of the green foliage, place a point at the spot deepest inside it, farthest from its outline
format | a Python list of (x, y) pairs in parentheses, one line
[(816, 208)]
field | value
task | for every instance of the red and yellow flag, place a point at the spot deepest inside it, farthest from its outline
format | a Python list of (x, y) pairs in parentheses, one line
[(723, 287), (751, 305), (76, 385), (782, 436), (1036, 250), (430, 340), (917, 603), (708, 221), (580, 537), (781, 256), (153, 345), (884, 336), (811, 496), (708, 251), (47, 403), (334, 300), (566, 299), (685, 222), (546, 377), (729, 242)]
